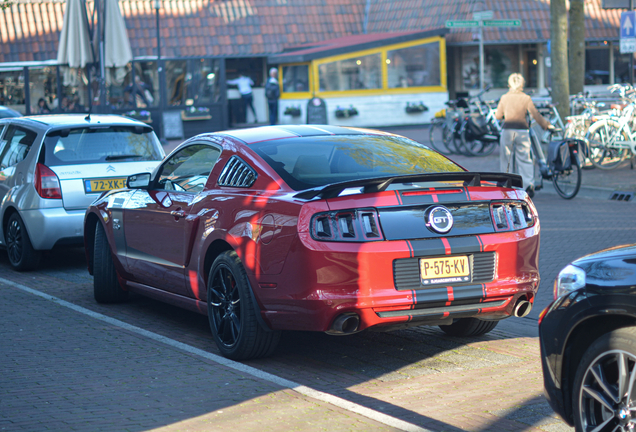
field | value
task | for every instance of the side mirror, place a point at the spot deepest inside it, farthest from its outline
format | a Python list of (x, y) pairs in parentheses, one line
[(138, 181)]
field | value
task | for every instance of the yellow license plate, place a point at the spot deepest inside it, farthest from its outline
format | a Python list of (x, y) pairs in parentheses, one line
[(104, 184), (452, 269)]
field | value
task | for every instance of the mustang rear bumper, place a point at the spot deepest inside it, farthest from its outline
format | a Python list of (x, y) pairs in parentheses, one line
[(324, 280)]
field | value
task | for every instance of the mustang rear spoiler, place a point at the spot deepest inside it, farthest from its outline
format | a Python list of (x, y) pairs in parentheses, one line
[(380, 184)]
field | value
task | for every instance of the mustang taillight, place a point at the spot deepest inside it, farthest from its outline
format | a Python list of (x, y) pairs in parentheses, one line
[(46, 182), (511, 216), (359, 225)]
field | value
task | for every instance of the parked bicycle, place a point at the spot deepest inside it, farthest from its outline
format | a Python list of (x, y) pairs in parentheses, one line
[(611, 139), (444, 130), (562, 166)]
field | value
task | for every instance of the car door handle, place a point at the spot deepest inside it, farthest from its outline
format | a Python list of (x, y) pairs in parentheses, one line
[(178, 213)]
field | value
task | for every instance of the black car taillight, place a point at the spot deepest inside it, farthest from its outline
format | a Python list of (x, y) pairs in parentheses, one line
[(359, 225), (511, 216)]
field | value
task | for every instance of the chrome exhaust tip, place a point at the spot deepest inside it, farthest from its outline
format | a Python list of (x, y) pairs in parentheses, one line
[(346, 323), (522, 308)]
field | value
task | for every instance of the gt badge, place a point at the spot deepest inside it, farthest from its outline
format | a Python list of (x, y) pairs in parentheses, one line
[(439, 219)]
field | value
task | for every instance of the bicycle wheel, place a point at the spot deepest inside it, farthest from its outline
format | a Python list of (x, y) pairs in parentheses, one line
[(568, 182), (600, 137), (439, 136)]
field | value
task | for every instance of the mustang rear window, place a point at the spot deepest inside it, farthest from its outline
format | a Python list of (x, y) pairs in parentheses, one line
[(101, 145), (309, 162)]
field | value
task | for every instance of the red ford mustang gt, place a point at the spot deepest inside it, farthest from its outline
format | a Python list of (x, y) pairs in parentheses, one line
[(317, 228)]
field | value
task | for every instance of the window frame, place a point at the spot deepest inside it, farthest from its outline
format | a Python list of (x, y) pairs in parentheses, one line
[(296, 95), (12, 128), (315, 79), (156, 183)]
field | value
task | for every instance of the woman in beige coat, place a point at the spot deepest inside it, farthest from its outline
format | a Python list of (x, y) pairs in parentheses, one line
[(513, 108)]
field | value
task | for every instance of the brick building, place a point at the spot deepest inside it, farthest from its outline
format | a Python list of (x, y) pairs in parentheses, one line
[(378, 53)]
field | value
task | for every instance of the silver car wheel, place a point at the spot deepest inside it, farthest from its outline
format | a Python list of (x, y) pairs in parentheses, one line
[(605, 398)]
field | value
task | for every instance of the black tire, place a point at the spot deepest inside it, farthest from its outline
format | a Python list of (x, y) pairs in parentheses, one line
[(568, 182), (232, 313), (106, 286), (598, 378), (439, 136), (22, 256), (469, 327)]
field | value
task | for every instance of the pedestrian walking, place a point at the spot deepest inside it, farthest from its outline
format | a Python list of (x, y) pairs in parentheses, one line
[(272, 92), (513, 108), (245, 89)]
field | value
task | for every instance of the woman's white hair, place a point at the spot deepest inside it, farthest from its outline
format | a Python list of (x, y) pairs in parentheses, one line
[(516, 81)]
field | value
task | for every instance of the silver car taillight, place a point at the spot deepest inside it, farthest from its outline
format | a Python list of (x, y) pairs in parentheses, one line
[(511, 216), (358, 225), (46, 183)]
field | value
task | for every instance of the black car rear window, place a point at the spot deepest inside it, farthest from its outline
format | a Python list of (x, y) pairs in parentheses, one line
[(101, 145), (309, 162)]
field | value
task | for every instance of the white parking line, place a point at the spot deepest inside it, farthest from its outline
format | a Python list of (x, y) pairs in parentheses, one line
[(282, 382)]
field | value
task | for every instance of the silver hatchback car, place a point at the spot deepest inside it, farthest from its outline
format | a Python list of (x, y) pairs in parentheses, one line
[(52, 167)]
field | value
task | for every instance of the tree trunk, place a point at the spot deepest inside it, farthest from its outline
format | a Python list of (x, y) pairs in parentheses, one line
[(577, 46), (559, 55)]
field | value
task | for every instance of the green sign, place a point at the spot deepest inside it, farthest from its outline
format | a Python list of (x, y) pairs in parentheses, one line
[(462, 24), (484, 23), (502, 23)]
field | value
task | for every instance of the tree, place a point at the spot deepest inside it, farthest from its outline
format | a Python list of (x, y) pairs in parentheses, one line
[(576, 59), (559, 55), (4, 4)]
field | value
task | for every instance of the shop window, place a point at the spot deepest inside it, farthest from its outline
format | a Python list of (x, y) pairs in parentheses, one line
[(358, 73), (12, 90), (178, 79), (296, 78), (144, 89), (206, 75), (597, 66), (417, 66), (43, 89), (74, 98), (621, 66), (499, 63)]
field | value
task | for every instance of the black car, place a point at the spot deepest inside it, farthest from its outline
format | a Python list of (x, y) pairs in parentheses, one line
[(588, 342)]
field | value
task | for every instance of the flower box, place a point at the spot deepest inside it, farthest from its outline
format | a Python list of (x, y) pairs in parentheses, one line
[(415, 108), (196, 113), (293, 111), (346, 112), (142, 116)]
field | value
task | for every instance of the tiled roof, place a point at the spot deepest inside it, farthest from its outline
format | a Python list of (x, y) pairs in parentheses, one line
[(29, 30), (404, 15)]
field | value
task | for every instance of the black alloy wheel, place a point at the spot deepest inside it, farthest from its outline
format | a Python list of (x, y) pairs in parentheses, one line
[(232, 312), (22, 256), (604, 394)]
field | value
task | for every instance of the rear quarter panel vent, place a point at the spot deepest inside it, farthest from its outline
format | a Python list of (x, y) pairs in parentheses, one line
[(237, 173)]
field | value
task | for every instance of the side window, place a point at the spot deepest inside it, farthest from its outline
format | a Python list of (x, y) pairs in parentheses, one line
[(17, 146), (188, 169), (3, 140)]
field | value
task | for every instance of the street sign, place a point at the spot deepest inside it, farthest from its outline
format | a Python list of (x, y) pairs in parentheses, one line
[(615, 4), (484, 23), (502, 23), (483, 15), (627, 32), (462, 24)]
